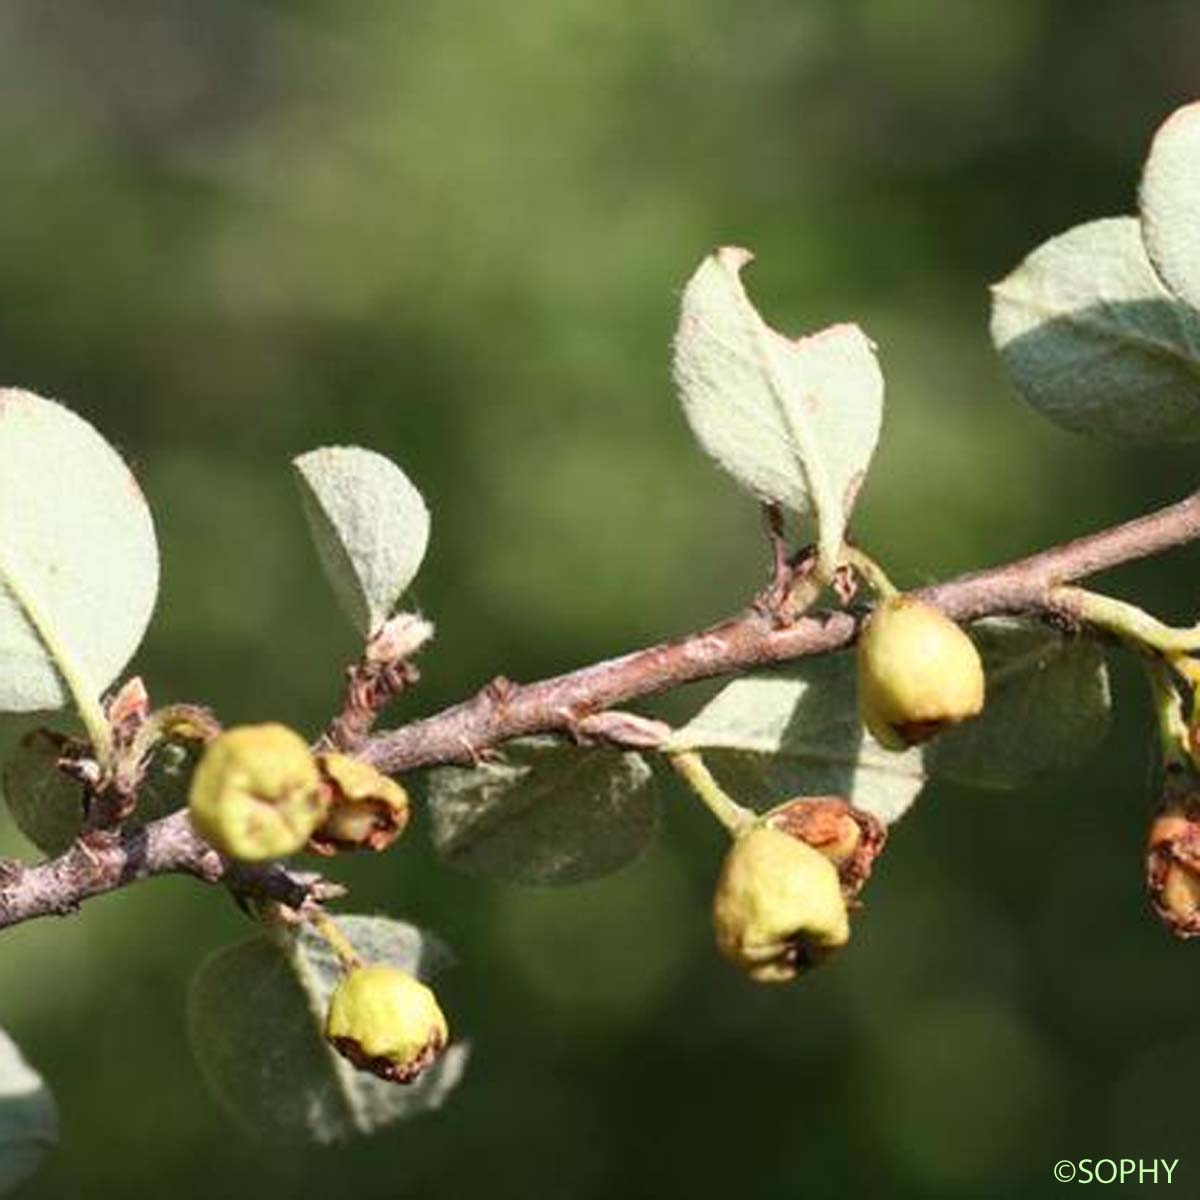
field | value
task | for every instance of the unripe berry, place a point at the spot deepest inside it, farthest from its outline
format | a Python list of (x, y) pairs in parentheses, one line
[(917, 673), (386, 1022), (778, 907), (256, 793), (366, 810)]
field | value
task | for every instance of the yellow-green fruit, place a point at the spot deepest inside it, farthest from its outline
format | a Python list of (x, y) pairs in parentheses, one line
[(917, 672), (778, 907), (386, 1022), (256, 793), (367, 810)]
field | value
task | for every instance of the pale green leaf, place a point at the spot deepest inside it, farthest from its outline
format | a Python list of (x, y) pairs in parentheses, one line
[(1170, 203), (544, 812), (28, 1118), (1094, 341), (370, 526), (255, 1013), (794, 731), (795, 422), (78, 559), (1047, 707)]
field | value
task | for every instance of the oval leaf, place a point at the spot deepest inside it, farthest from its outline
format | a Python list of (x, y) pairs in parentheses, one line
[(545, 812), (1094, 341), (255, 1012), (78, 559), (28, 1118), (795, 422), (370, 526), (1170, 203), (795, 731), (1048, 707), (47, 805)]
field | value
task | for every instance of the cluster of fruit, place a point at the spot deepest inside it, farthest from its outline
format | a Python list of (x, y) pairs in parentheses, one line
[(785, 891), (260, 793), (792, 877)]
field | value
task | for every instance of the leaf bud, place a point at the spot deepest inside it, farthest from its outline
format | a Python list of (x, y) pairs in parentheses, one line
[(778, 908), (849, 837), (387, 1022), (256, 793), (398, 639), (365, 809), (917, 673)]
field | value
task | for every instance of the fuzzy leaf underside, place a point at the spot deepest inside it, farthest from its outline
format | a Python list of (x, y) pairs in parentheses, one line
[(1169, 200), (1048, 708), (795, 422), (545, 812), (78, 557), (370, 527), (1094, 341)]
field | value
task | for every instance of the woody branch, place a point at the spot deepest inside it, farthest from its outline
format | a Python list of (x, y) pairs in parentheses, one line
[(581, 704)]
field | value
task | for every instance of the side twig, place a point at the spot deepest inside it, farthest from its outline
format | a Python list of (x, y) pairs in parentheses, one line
[(753, 639)]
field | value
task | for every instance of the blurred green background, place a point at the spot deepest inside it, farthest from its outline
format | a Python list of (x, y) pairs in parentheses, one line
[(456, 231)]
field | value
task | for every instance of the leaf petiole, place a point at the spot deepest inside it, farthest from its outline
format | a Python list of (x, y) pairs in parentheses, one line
[(875, 577)]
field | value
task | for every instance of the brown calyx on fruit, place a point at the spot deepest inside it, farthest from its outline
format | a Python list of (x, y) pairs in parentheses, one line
[(849, 837), (366, 810), (1173, 866), (383, 1067)]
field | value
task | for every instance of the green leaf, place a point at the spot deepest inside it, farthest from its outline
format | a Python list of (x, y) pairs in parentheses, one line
[(795, 422), (1047, 709), (794, 731), (28, 1118), (1094, 341), (545, 812), (47, 805), (370, 526), (1170, 203), (78, 559), (255, 1012)]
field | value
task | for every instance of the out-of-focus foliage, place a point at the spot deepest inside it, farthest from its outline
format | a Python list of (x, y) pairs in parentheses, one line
[(456, 232), (28, 1118)]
